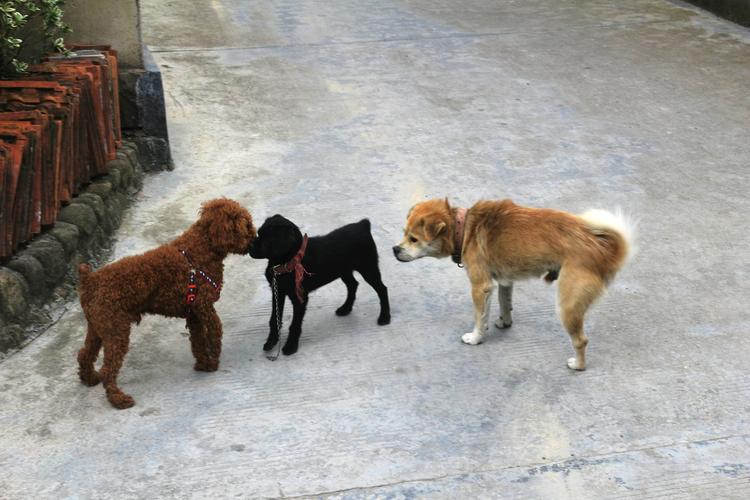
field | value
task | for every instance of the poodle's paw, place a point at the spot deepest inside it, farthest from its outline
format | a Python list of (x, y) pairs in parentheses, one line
[(290, 348), (574, 365), (270, 342), (343, 310), (502, 323), (210, 365), (90, 378), (384, 318), (472, 338), (120, 400)]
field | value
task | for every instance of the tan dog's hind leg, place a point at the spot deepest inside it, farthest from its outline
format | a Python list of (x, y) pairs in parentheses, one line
[(505, 296), (578, 289), (481, 291)]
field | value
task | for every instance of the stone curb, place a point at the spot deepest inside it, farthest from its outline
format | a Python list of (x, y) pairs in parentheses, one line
[(46, 270)]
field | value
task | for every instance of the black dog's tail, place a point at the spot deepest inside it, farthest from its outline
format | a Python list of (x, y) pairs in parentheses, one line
[(370, 242)]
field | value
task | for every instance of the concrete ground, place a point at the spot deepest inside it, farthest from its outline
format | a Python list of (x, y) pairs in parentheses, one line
[(332, 110)]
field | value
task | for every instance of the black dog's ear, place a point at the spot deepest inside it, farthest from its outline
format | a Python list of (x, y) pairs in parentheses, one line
[(279, 220)]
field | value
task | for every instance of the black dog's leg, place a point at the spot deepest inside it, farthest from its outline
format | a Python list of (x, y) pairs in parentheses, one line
[(351, 294), (273, 335), (371, 274), (295, 329)]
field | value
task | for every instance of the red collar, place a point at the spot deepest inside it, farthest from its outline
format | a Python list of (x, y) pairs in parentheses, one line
[(458, 236), (295, 265)]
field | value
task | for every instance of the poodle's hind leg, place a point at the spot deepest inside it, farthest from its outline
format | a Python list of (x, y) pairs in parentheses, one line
[(351, 294), (115, 347), (87, 356)]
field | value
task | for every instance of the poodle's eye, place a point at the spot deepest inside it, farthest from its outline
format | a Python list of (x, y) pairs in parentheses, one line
[(413, 239)]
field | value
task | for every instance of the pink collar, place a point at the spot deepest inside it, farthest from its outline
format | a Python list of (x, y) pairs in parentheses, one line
[(295, 265), (458, 236)]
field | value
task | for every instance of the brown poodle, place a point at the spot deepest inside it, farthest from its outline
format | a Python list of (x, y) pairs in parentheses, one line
[(181, 279)]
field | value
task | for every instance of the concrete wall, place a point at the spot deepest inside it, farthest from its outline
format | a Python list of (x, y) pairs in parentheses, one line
[(112, 22), (117, 23), (737, 11)]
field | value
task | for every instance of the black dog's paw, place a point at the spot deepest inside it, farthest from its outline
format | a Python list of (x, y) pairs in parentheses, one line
[(289, 349), (343, 310), (384, 319), (270, 342)]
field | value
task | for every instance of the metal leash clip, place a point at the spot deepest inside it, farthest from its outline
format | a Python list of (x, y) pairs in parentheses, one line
[(275, 288)]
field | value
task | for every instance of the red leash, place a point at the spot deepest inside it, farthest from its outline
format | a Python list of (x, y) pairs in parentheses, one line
[(295, 265)]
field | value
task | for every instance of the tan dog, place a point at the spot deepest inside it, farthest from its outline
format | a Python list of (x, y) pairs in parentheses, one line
[(504, 242)]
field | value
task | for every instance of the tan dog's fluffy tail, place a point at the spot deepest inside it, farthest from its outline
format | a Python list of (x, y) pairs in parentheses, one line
[(616, 232)]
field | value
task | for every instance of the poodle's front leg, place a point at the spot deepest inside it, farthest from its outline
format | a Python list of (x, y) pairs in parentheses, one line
[(295, 329), (212, 333), (198, 341)]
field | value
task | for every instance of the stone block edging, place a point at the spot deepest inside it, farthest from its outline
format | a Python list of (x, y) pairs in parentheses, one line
[(37, 281)]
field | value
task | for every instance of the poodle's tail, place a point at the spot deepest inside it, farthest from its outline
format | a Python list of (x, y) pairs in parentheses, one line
[(84, 275)]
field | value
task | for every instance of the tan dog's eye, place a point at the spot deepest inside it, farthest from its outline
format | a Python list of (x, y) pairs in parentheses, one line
[(413, 239)]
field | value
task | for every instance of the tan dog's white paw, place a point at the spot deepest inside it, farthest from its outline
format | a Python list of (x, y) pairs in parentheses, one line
[(472, 338), (573, 365)]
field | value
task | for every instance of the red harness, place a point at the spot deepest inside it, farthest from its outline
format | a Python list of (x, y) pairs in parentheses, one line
[(458, 236), (295, 265), (192, 288)]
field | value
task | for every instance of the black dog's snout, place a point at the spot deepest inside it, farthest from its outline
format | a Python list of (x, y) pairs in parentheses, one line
[(396, 250), (251, 249)]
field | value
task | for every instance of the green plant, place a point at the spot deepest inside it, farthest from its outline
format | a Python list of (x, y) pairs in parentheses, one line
[(29, 29)]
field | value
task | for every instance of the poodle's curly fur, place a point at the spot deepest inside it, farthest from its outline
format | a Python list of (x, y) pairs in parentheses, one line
[(156, 282)]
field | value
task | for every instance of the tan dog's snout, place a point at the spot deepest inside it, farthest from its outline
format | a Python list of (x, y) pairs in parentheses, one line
[(402, 254)]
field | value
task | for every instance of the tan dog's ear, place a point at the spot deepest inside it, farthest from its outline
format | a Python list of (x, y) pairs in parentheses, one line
[(410, 211), (433, 229), (447, 204)]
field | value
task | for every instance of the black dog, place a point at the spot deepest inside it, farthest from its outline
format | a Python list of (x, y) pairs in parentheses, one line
[(323, 259)]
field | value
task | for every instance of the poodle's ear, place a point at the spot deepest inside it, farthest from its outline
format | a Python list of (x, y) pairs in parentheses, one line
[(219, 217)]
